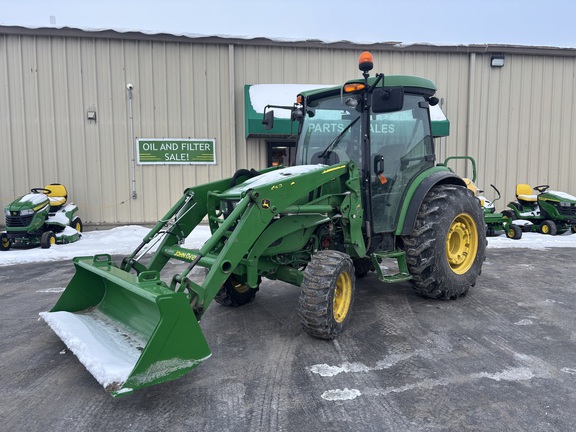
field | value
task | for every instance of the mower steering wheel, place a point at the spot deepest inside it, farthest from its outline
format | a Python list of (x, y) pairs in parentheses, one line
[(40, 190), (541, 188)]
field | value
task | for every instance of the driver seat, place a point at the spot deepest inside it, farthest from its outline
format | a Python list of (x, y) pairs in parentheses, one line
[(524, 193), (58, 195)]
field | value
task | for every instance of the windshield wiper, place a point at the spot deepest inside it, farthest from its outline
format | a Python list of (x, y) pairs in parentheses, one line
[(338, 137)]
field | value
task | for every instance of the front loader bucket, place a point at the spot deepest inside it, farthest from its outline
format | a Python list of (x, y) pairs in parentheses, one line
[(130, 331)]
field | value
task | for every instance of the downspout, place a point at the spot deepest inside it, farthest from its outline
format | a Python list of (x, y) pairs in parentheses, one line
[(232, 85), (470, 113), (130, 87)]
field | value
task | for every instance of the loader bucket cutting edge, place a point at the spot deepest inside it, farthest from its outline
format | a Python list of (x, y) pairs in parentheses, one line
[(130, 331)]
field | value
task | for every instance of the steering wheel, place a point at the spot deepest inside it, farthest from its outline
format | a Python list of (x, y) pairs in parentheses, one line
[(541, 188), (40, 190)]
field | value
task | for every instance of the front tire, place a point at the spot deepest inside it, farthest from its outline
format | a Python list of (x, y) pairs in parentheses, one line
[(447, 246), (5, 242), (234, 293), (48, 239), (548, 227), (327, 293), (514, 232)]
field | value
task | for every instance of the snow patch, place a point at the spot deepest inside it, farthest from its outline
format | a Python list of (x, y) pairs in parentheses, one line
[(562, 195), (344, 394), (51, 290), (108, 353), (278, 94), (347, 367), (524, 322)]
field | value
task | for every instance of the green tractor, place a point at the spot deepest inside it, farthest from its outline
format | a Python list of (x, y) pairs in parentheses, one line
[(549, 212), (41, 218), (365, 192)]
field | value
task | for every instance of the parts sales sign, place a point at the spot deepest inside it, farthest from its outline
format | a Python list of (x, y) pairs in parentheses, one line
[(176, 151)]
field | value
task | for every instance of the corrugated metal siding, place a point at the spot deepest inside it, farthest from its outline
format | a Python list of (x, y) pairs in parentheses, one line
[(517, 121), (180, 90), (523, 128)]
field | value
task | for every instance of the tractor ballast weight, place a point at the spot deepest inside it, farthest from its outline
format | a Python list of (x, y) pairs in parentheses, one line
[(335, 216)]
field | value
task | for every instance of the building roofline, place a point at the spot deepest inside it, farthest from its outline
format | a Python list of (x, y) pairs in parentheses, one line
[(392, 46)]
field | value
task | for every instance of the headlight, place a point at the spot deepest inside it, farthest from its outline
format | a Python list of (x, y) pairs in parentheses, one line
[(564, 204), (26, 212), (7, 212)]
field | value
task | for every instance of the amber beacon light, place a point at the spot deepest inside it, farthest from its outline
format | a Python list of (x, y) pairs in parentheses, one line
[(365, 62)]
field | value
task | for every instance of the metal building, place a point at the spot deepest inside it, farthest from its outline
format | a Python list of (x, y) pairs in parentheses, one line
[(67, 114)]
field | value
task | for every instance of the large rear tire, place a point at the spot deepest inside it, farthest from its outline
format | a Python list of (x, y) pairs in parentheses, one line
[(234, 293), (447, 247), (327, 293)]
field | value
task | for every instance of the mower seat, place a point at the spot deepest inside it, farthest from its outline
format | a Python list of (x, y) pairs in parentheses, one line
[(470, 185), (524, 193), (57, 196)]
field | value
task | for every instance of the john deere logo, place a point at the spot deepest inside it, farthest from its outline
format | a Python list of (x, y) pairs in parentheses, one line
[(265, 204)]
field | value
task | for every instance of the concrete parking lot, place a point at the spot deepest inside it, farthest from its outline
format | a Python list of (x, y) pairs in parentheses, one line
[(503, 358)]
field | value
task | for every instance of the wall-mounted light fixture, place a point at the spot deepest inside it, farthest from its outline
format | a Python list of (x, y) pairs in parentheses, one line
[(497, 60), (91, 115)]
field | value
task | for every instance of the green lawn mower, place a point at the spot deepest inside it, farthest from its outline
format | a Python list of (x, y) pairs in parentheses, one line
[(41, 218), (549, 212), (496, 223)]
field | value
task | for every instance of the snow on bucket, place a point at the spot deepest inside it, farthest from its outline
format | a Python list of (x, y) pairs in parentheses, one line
[(130, 331)]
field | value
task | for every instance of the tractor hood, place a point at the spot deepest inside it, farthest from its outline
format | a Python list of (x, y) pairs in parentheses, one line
[(31, 201), (551, 195), (272, 178)]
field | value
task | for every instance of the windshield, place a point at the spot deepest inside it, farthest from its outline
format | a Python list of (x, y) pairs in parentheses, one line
[(330, 133), (401, 141)]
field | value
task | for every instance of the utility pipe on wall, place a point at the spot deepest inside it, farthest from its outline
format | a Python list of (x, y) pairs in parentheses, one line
[(130, 87)]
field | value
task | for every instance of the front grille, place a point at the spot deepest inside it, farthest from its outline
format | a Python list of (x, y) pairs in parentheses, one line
[(565, 210), (18, 221)]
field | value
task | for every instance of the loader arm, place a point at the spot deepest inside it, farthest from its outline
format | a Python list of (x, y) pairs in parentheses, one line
[(268, 210), (131, 329)]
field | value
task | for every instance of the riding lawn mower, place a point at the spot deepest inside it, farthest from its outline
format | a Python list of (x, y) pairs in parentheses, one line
[(41, 218), (550, 212)]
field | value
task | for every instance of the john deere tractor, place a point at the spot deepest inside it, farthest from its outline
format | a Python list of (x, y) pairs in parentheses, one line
[(366, 190)]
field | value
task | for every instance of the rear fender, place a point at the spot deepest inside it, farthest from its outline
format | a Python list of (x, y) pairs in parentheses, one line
[(418, 191)]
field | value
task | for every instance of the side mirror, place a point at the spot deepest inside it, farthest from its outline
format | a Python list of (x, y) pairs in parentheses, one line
[(268, 120), (387, 99)]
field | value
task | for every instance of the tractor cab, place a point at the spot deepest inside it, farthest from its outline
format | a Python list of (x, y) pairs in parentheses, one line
[(380, 123)]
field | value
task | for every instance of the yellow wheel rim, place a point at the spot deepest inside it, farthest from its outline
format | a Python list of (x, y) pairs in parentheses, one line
[(342, 297), (5, 242), (78, 226), (462, 243), (52, 240), (545, 229)]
